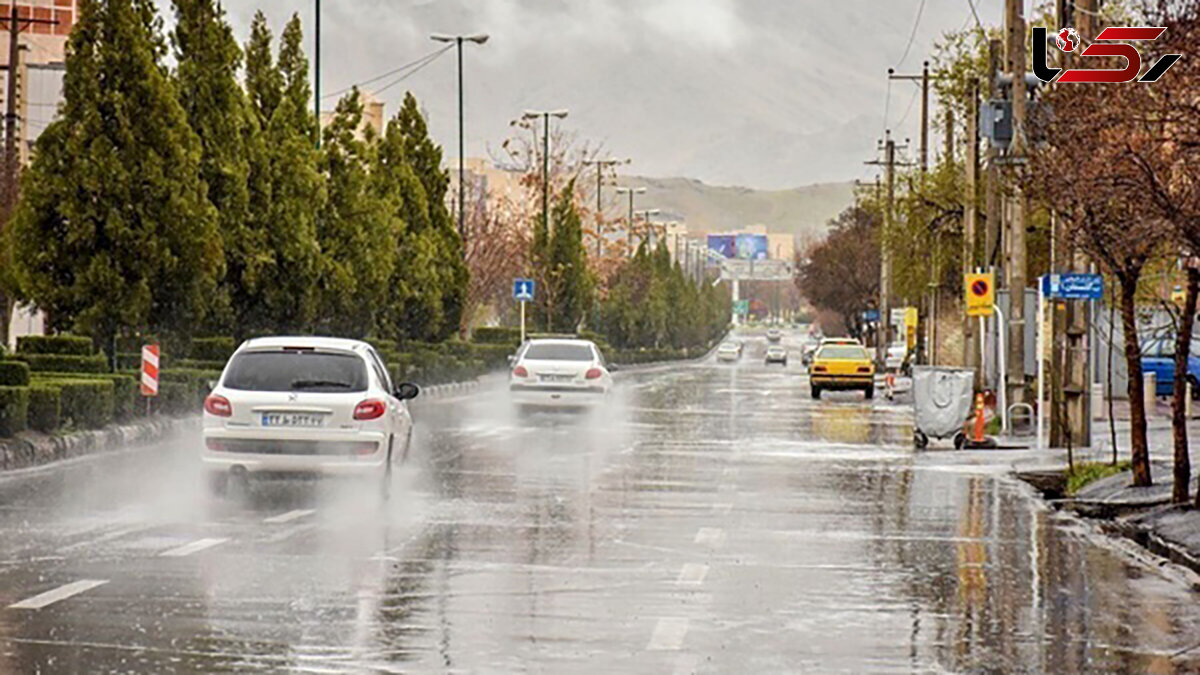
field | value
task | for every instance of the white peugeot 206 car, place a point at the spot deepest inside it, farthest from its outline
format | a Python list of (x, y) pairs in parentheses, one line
[(290, 407), (559, 373)]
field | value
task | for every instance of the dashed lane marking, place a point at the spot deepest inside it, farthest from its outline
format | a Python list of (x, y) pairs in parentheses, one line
[(289, 516), (668, 634), (692, 574), (61, 593), (193, 547)]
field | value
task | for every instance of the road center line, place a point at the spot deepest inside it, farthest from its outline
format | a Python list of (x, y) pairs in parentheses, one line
[(692, 574), (61, 593), (289, 516), (668, 634), (193, 547)]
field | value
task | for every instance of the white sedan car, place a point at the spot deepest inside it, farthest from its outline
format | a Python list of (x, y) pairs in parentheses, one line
[(305, 406), (559, 373), (729, 351)]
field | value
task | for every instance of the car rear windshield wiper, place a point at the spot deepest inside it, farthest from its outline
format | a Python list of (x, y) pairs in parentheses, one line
[(305, 384)]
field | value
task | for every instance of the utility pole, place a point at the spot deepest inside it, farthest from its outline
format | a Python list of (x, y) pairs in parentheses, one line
[(971, 353), (992, 244), (317, 67), (600, 164), (12, 154), (882, 339), (1015, 225)]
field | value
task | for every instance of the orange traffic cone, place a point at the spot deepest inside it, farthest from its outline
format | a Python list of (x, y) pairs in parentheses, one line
[(977, 437)]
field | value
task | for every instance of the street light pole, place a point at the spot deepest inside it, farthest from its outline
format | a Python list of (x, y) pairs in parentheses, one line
[(631, 192), (600, 164), (646, 213), (545, 115), (462, 189)]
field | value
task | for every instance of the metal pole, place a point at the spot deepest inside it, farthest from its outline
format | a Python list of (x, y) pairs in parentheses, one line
[(925, 118), (522, 322), (462, 186), (1041, 364), (10, 114), (316, 65), (546, 172), (1002, 364)]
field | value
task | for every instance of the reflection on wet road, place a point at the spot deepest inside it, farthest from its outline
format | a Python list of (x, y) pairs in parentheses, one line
[(715, 520)]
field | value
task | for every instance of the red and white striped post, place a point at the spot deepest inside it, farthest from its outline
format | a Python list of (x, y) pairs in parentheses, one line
[(149, 372)]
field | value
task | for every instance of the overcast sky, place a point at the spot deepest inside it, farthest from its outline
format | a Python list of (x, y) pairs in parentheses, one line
[(762, 93)]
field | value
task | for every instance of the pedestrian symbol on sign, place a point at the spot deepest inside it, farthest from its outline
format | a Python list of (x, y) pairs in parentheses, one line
[(523, 290)]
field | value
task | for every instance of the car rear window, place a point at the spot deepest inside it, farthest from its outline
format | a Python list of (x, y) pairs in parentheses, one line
[(559, 352), (842, 352), (296, 370)]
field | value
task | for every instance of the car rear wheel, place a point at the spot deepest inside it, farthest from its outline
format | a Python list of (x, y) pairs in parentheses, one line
[(816, 392), (869, 393)]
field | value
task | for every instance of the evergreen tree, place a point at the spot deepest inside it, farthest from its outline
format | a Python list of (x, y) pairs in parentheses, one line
[(356, 231), (293, 75), (115, 229), (566, 267), (207, 58), (413, 307), (286, 188), (425, 157)]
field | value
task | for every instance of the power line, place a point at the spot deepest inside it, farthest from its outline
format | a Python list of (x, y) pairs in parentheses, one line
[(414, 71), (912, 36), (975, 13), (418, 63)]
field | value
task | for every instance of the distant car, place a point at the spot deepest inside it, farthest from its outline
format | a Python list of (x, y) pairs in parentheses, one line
[(774, 335), (842, 364), (559, 373), (776, 354), (729, 351), (305, 406), (1158, 357)]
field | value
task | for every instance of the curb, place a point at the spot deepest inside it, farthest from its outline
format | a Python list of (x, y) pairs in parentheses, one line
[(33, 449), (449, 389)]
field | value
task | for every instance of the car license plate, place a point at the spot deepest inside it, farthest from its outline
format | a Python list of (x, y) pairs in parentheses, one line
[(557, 378), (292, 420)]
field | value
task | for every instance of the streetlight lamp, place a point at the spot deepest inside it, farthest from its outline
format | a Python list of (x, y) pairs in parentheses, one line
[(631, 192), (645, 214), (545, 115), (600, 164), (462, 198)]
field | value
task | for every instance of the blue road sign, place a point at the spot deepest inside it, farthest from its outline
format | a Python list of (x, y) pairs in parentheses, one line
[(523, 289), (1073, 286), (870, 315)]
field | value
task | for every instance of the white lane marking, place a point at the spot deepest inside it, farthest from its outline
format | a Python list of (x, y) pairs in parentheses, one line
[(61, 593), (289, 516), (668, 634), (713, 536), (193, 547), (109, 536), (289, 532), (692, 574)]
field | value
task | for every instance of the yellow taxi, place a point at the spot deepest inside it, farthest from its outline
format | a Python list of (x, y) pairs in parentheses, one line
[(841, 364)]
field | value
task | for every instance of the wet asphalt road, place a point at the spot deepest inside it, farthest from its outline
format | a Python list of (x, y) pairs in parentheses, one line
[(716, 519)]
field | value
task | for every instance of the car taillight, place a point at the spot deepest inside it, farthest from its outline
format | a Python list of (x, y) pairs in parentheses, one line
[(818, 369), (217, 405), (864, 369), (520, 371), (594, 373), (369, 409)]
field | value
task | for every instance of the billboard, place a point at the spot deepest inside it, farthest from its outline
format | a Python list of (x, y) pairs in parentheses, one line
[(724, 245), (743, 246)]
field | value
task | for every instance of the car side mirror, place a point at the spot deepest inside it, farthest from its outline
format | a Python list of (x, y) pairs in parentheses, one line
[(512, 358), (407, 390), (212, 384)]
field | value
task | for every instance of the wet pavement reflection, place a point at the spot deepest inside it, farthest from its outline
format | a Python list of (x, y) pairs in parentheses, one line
[(713, 519)]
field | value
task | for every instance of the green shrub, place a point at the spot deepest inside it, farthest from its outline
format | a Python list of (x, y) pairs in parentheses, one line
[(14, 373), (197, 364), (496, 335), (1087, 472), (177, 398), (127, 397), (65, 363), (85, 403), (212, 349), (494, 356), (383, 345), (14, 410), (55, 344), (131, 361), (45, 408)]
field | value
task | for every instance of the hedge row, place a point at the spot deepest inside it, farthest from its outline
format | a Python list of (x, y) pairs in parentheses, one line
[(14, 410), (65, 363), (55, 344), (14, 373)]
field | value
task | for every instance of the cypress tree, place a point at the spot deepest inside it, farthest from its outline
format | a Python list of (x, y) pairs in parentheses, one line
[(567, 268), (115, 229)]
